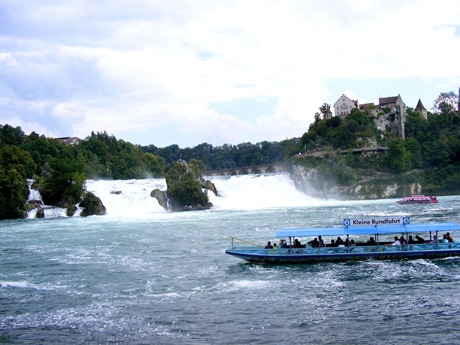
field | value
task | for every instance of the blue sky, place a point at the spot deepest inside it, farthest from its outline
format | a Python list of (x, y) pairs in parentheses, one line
[(222, 72)]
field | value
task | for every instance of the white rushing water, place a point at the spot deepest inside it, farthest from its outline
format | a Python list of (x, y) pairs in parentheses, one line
[(128, 198), (244, 192)]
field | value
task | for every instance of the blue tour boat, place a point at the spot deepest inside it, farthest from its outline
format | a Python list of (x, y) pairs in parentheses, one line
[(434, 240)]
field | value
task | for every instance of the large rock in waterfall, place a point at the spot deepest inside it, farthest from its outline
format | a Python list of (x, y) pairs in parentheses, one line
[(91, 205), (185, 186), (160, 195)]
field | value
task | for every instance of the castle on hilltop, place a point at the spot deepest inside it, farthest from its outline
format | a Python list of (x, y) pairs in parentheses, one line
[(390, 106)]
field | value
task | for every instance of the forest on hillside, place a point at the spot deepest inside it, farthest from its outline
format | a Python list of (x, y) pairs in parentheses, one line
[(60, 169)]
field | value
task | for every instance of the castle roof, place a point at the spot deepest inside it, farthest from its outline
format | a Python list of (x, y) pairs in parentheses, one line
[(344, 96), (419, 107), (388, 100), (365, 105)]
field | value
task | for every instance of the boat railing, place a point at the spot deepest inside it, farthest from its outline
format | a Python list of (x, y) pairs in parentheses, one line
[(351, 249), (244, 245)]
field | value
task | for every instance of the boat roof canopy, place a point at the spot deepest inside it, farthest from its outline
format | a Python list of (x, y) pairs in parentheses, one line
[(363, 230)]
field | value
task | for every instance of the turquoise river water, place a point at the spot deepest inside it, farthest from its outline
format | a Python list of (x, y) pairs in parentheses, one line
[(163, 278)]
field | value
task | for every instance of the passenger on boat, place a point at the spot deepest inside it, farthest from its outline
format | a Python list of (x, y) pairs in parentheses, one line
[(449, 238), (371, 241), (339, 241), (402, 240), (269, 245), (411, 240), (314, 243), (274, 246), (332, 243), (420, 239), (352, 243), (397, 242), (282, 244), (320, 241), (297, 243)]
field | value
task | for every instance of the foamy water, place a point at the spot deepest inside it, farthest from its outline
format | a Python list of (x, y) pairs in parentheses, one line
[(164, 278)]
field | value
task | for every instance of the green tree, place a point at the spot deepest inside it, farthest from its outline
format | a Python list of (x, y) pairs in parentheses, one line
[(154, 165), (325, 110), (63, 183), (184, 188), (446, 103), (397, 157), (414, 149), (13, 183), (197, 166), (10, 135)]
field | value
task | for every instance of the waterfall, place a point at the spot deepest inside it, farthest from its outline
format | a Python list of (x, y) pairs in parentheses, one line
[(257, 192), (131, 198), (36, 202)]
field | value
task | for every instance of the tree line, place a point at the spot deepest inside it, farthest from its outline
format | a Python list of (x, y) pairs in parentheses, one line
[(60, 170)]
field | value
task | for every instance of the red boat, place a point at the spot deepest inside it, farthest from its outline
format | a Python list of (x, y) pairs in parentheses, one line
[(418, 199)]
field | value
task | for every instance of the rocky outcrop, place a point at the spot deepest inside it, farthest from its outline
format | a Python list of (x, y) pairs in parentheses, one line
[(209, 186), (381, 186), (310, 182), (161, 197), (186, 188), (91, 205)]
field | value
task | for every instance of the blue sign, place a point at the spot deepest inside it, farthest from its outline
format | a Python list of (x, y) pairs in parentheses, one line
[(376, 221)]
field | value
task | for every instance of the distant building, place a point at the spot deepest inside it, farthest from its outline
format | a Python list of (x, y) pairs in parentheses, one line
[(398, 108), (419, 108), (371, 108), (69, 140), (344, 105)]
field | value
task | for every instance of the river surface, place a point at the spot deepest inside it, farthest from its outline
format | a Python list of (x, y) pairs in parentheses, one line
[(155, 277)]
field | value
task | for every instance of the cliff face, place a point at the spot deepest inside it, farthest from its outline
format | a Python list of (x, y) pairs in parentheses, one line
[(310, 182)]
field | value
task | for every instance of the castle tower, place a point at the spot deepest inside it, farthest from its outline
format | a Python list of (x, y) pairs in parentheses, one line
[(419, 108), (398, 108)]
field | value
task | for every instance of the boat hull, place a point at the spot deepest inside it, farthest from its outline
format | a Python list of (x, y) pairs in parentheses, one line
[(418, 199), (407, 202), (301, 258)]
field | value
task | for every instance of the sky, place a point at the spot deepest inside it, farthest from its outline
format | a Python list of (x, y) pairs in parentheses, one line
[(215, 71)]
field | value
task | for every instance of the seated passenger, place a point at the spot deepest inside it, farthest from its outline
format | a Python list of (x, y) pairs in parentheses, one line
[(411, 240), (420, 239), (371, 241), (321, 242), (314, 243), (338, 241), (332, 244), (402, 240), (269, 245), (297, 243), (352, 243), (449, 238), (274, 246), (397, 242)]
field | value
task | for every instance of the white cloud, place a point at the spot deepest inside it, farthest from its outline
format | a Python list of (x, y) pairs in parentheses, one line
[(148, 68)]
